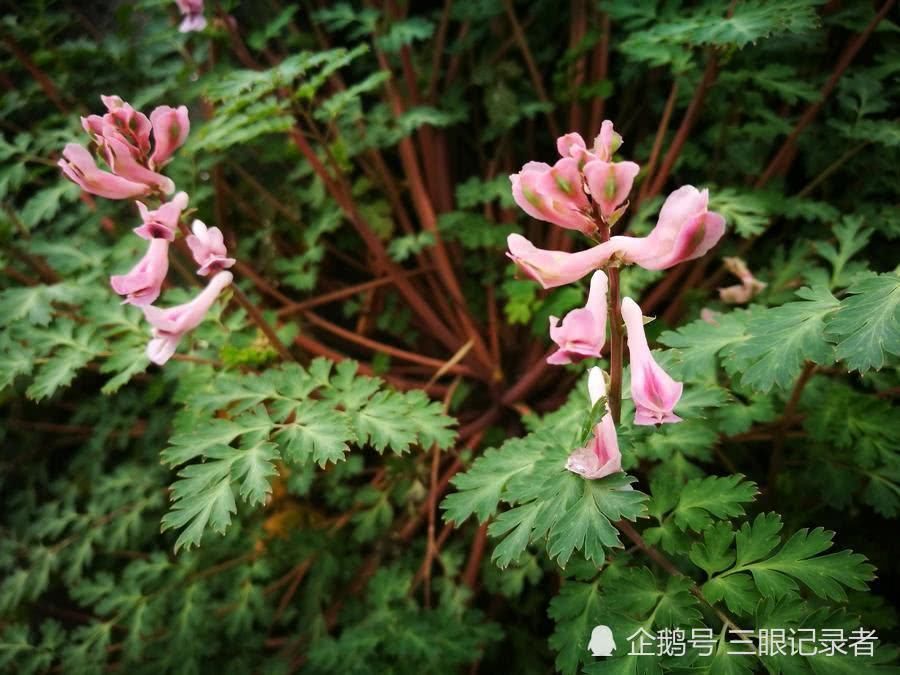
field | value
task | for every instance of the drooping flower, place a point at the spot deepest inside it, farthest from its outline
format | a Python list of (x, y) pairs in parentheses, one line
[(122, 137), (121, 122), (582, 333), (745, 291), (161, 223), (208, 248), (555, 268), (192, 10), (554, 194), (654, 392), (601, 456), (170, 325), (123, 163), (171, 127), (79, 166), (685, 230), (610, 183), (141, 286)]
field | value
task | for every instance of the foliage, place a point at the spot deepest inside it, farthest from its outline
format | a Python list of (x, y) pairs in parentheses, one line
[(393, 496)]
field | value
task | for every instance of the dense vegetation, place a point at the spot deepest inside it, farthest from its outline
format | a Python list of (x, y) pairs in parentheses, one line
[(357, 462)]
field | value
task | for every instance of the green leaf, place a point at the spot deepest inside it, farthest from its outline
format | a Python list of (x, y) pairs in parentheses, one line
[(852, 238), (45, 204), (825, 575), (587, 524), (698, 343), (198, 436), (404, 33), (316, 432), (203, 496), (571, 513), (14, 361), (72, 348), (737, 591), (575, 610), (776, 575), (719, 497), (33, 303), (383, 424), (253, 467), (781, 339), (479, 490), (867, 326), (714, 553)]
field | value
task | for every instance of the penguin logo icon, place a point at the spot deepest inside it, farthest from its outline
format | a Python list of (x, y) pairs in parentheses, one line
[(602, 642)]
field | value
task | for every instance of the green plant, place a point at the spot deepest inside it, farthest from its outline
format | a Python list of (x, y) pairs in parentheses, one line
[(357, 462)]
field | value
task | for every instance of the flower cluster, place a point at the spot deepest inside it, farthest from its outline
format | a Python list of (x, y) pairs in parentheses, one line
[(587, 190), (123, 139)]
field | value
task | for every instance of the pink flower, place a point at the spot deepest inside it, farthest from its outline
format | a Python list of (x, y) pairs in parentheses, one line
[(745, 291), (170, 325), (121, 122), (555, 268), (571, 145), (123, 138), (79, 166), (170, 130), (605, 145), (583, 331), (142, 284), (601, 456), (685, 230), (610, 183), (192, 10), (654, 393), (161, 223), (607, 142), (123, 163), (554, 194), (208, 248)]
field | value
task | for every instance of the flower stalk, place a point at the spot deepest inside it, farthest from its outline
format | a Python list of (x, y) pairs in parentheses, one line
[(616, 336), (587, 191), (616, 345)]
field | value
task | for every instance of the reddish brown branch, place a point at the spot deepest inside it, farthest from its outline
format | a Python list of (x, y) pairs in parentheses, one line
[(257, 317), (658, 141), (473, 564), (43, 80), (533, 71), (780, 161), (687, 123), (375, 246), (776, 462), (377, 346), (600, 73)]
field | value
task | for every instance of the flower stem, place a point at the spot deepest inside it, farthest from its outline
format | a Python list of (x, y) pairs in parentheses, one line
[(616, 345), (616, 337)]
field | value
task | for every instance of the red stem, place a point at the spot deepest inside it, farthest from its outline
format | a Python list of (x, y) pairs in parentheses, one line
[(781, 159), (684, 130)]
